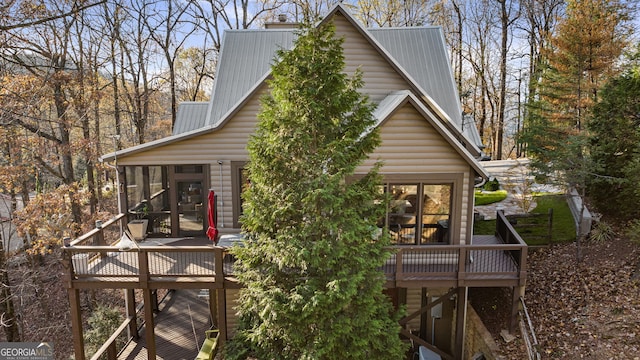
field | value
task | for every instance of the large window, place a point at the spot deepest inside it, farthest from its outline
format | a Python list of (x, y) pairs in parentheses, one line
[(419, 213), (239, 182), (146, 188)]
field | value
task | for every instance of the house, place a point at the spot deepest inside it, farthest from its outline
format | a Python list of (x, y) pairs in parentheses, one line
[(8, 233), (431, 166)]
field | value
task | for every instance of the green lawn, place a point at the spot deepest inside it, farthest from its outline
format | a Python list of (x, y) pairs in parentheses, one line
[(563, 226), (564, 229), (489, 197)]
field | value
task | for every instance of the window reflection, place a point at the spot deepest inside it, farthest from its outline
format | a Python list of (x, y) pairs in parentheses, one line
[(410, 202)]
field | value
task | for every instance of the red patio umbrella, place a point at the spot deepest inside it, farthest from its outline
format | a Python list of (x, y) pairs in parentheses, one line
[(212, 231)]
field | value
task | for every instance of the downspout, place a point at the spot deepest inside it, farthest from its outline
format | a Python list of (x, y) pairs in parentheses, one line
[(221, 195)]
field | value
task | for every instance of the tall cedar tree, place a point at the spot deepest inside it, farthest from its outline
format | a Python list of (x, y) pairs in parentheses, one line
[(311, 263)]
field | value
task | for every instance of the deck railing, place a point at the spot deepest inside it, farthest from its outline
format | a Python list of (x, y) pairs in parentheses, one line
[(462, 265), (149, 262), (104, 233), (459, 265)]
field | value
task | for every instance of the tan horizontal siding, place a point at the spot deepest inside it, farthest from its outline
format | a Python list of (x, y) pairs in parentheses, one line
[(232, 317), (411, 145), (379, 77), (414, 303)]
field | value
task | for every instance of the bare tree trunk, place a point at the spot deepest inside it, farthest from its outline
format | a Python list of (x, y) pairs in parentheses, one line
[(505, 21), (456, 9), (9, 321)]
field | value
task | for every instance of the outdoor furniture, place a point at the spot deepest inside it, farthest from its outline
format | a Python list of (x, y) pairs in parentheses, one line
[(209, 346)]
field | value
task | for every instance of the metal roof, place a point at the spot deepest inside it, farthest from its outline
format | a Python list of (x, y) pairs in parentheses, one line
[(245, 62), (421, 52), (389, 104), (245, 59), (192, 115)]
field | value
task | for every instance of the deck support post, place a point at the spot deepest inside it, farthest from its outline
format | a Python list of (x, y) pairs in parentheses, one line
[(461, 316), (130, 304), (149, 325), (221, 300), (515, 308), (213, 308), (156, 304), (76, 324)]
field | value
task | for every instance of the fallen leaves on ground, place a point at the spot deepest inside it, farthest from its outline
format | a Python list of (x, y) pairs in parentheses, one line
[(582, 310)]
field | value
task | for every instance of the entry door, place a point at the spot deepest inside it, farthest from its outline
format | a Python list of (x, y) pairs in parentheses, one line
[(191, 205)]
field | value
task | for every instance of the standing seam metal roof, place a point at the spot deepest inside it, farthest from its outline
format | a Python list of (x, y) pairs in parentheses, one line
[(193, 116), (421, 52), (246, 57)]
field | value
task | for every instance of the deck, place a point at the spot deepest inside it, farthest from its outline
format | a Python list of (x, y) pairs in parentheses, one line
[(195, 263), (180, 326), (191, 264)]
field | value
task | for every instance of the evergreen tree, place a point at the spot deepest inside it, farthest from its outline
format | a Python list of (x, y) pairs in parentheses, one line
[(313, 288), (580, 58), (615, 144)]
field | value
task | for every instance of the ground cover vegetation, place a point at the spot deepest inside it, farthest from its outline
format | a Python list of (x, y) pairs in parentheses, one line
[(562, 220), (489, 197), (310, 265)]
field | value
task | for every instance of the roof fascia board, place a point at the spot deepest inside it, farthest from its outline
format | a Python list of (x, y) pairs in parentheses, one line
[(155, 143)]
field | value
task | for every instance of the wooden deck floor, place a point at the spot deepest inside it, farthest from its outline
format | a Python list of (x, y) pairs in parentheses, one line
[(180, 326)]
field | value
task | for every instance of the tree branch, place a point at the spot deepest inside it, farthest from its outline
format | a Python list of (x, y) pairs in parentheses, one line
[(75, 9)]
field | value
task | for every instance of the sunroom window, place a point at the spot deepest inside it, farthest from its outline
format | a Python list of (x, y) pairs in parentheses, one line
[(419, 213)]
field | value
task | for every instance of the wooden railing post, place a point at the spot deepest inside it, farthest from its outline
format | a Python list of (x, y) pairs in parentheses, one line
[(399, 266), (112, 352), (98, 238), (76, 324), (550, 227), (149, 324), (143, 268), (218, 261), (462, 263)]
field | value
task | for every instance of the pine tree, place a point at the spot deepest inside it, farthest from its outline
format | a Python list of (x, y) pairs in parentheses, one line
[(582, 53), (313, 288)]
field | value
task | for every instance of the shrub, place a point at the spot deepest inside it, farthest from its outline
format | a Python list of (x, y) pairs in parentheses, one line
[(102, 323), (601, 232), (633, 231), (491, 185)]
